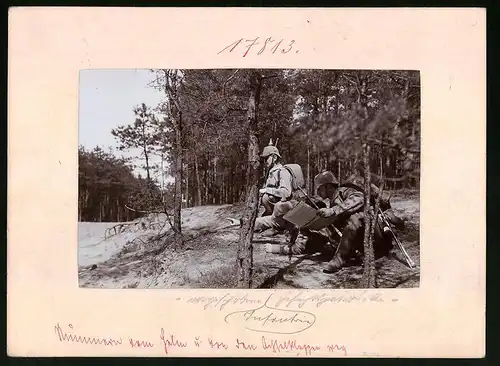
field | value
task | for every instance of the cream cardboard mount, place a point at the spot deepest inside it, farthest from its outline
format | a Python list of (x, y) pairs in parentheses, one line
[(49, 315)]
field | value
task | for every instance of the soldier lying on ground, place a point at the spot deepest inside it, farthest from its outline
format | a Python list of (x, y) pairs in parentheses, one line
[(346, 213)]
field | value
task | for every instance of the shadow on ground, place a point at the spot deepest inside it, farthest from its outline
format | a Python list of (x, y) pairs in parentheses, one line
[(208, 258)]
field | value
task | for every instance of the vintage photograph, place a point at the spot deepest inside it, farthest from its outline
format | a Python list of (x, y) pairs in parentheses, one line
[(249, 178)]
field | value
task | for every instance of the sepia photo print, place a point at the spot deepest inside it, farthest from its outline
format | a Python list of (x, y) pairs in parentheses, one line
[(249, 178)]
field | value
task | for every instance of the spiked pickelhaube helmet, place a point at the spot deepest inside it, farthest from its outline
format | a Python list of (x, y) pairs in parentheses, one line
[(270, 149)]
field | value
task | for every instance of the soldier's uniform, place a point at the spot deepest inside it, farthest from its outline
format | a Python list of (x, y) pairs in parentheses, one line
[(277, 199), (346, 212), (278, 188)]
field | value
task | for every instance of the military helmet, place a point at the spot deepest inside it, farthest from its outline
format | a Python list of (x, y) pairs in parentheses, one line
[(324, 178), (269, 150)]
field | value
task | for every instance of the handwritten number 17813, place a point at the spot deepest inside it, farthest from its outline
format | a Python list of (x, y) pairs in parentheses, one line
[(269, 44)]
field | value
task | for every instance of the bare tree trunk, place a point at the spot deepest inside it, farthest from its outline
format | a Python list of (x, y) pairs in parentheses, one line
[(231, 185), (187, 181), (368, 279), (178, 177), (373, 276), (118, 211), (145, 150), (146, 156), (224, 190), (216, 199), (338, 171), (245, 248), (375, 221), (80, 205), (170, 89), (162, 181), (198, 181), (207, 183), (308, 186)]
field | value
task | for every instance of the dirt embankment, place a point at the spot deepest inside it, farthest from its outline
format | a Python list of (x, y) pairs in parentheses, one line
[(131, 258)]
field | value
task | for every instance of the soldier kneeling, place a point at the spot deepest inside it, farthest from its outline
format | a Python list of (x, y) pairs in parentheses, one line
[(346, 212)]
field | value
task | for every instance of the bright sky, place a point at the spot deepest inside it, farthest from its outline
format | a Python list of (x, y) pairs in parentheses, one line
[(107, 99)]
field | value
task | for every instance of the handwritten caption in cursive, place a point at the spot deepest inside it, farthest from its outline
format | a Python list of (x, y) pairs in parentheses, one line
[(298, 300), (267, 319), (279, 313), (169, 343), (260, 46)]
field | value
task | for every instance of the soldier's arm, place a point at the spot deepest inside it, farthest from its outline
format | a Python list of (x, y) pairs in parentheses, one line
[(384, 199), (284, 189), (374, 189), (351, 204)]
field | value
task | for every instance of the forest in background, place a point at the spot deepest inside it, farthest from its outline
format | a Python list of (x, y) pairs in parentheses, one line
[(319, 119)]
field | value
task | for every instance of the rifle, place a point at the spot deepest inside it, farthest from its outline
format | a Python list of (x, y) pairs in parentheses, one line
[(410, 262)]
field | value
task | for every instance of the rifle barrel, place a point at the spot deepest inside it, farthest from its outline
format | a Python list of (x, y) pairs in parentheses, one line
[(398, 242)]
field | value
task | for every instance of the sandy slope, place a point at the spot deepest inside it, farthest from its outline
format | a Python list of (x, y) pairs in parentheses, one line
[(92, 248), (125, 260)]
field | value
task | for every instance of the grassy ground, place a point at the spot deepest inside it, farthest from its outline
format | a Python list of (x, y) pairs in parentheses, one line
[(207, 260)]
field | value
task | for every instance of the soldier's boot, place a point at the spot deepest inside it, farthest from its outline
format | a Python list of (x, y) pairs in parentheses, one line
[(335, 264), (352, 233)]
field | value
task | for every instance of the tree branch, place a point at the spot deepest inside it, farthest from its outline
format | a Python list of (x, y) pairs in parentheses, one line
[(228, 80), (393, 146), (145, 212)]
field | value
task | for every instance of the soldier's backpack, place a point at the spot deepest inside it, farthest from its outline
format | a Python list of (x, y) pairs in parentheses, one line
[(298, 180)]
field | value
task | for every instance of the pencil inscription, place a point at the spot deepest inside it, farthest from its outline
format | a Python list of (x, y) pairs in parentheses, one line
[(267, 319)]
